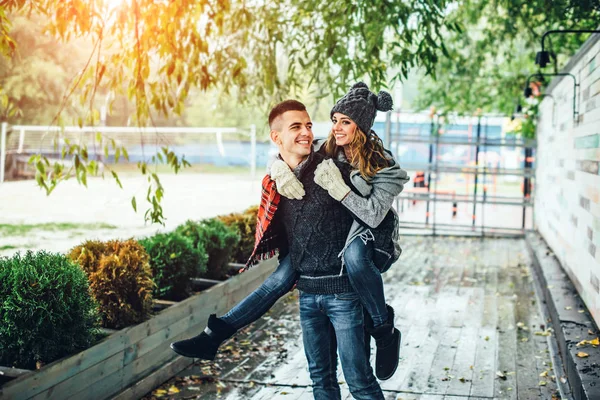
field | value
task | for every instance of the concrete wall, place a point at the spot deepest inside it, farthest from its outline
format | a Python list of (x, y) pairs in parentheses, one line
[(567, 194)]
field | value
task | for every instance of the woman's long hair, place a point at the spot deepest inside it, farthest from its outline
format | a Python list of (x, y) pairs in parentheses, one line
[(366, 152)]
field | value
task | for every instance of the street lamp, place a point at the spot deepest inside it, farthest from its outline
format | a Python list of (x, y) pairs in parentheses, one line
[(527, 92), (542, 58)]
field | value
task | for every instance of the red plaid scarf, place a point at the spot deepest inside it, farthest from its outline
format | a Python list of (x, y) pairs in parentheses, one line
[(265, 243)]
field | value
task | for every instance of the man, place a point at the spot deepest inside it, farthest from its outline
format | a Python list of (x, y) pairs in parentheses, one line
[(316, 229)]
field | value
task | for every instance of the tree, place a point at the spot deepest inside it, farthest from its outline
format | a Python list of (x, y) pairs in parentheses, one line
[(156, 51), (489, 63), (34, 80)]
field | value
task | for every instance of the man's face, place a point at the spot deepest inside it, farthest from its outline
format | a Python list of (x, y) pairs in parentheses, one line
[(292, 133)]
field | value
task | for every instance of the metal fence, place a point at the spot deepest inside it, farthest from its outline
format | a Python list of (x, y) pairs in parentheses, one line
[(468, 177), (222, 146)]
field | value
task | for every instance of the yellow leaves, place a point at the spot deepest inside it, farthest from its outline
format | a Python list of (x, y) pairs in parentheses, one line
[(547, 332), (594, 342), (581, 354), (173, 389)]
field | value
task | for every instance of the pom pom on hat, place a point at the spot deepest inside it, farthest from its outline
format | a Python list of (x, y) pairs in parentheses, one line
[(384, 101), (359, 85)]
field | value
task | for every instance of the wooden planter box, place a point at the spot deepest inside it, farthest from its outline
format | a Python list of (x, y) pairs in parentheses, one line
[(134, 360)]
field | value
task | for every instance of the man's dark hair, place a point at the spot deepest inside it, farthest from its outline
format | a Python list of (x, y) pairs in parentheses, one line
[(285, 106)]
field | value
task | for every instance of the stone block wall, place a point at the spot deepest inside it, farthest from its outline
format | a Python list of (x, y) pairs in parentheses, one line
[(567, 192)]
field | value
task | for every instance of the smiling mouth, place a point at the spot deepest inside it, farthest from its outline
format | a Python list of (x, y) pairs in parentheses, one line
[(303, 142), (339, 136)]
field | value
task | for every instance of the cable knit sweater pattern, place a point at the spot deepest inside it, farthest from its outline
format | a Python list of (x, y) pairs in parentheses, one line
[(316, 228)]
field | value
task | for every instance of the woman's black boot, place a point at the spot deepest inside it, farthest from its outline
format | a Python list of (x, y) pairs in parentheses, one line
[(206, 344)]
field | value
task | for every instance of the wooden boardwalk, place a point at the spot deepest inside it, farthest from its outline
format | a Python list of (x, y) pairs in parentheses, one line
[(471, 329)]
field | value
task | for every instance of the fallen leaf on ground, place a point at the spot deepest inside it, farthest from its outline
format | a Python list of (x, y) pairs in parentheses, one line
[(542, 383), (173, 389), (159, 392), (544, 374), (594, 342), (544, 333), (568, 308), (500, 375), (581, 354)]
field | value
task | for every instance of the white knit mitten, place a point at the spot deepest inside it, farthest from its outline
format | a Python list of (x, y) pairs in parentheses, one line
[(329, 177), (287, 184)]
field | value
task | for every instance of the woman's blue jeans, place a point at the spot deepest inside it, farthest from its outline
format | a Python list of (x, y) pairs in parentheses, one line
[(257, 303), (363, 264)]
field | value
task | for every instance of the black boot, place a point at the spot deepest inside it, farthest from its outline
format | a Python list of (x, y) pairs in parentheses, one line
[(206, 344), (387, 338)]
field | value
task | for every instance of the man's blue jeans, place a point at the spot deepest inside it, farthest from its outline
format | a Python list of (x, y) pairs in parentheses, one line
[(326, 319), (363, 264)]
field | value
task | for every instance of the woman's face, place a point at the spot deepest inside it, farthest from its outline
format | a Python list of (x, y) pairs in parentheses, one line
[(343, 129)]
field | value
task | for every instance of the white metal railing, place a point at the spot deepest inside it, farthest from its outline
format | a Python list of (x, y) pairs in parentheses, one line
[(46, 140)]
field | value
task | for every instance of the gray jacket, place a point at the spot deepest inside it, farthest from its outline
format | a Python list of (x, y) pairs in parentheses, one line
[(374, 202)]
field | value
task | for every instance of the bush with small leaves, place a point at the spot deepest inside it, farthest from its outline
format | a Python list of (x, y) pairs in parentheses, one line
[(245, 224), (120, 280), (218, 240), (46, 310), (174, 260)]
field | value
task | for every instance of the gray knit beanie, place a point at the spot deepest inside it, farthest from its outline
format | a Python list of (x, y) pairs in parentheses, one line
[(361, 105)]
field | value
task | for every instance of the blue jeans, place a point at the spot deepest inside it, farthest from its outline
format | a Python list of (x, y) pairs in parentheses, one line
[(257, 303), (364, 264), (325, 320)]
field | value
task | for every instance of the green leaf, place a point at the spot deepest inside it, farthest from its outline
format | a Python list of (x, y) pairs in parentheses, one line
[(114, 174), (134, 204)]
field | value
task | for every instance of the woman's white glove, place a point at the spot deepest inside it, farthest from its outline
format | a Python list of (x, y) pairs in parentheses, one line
[(329, 177), (287, 184)]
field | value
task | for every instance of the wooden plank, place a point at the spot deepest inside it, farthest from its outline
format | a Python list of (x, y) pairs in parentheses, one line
[(90, 376), (103, 389), (418, 377), (527, 375), (185, 326), (463, 363), (437, 382), (506, 386), (146, 385), (484, 369), (278, 392), (32, 384)]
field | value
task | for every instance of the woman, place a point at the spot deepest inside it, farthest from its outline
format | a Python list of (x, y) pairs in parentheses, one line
[(372, 244)]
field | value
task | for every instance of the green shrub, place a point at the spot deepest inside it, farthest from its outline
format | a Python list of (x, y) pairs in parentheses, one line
[(174, 260), (120, 280), (218, 240), (46, 310), (245, 224)]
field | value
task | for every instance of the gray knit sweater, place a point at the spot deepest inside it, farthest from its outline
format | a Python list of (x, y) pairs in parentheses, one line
[(316, 228)]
